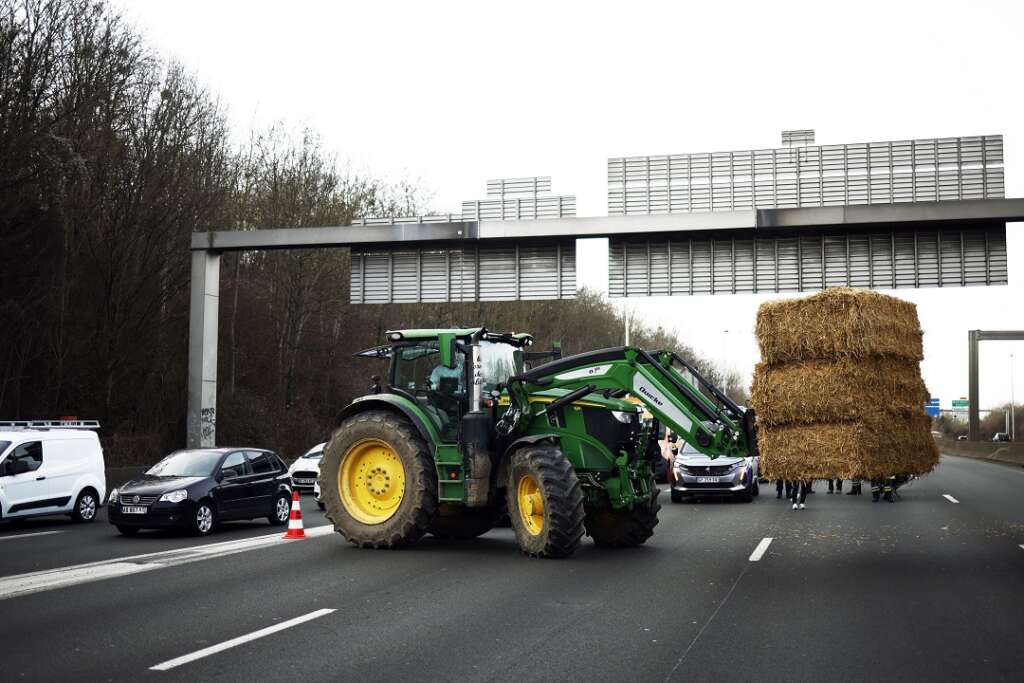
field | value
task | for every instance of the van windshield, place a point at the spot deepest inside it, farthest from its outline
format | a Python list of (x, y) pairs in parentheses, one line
[(3, 446), (186, 464)]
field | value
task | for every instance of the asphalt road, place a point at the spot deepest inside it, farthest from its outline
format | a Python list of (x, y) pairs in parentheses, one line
[(921, 589)]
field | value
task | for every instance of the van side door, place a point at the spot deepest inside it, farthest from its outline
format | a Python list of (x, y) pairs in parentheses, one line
[(23, 480)]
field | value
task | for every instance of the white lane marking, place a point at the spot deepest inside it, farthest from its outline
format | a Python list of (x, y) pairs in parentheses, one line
[(1022, 546), (234, 642), (950, 498), (760, 549), (36, 582), (48, 579), (34, 533)]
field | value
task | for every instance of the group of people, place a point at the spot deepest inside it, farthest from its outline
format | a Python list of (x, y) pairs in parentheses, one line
[(796, 490)]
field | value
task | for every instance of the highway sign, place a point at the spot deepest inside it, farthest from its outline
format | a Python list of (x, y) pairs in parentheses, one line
[(961, 403)]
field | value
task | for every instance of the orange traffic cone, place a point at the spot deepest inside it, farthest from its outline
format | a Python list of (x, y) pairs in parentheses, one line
[(295, 519)]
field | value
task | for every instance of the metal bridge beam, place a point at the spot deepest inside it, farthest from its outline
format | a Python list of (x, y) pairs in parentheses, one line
[(973, 337)]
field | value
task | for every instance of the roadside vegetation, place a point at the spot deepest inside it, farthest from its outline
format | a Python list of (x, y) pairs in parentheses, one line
[(110, 156)]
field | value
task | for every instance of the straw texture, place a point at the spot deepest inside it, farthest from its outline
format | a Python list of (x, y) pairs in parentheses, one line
[(838, 323), (839, 393)]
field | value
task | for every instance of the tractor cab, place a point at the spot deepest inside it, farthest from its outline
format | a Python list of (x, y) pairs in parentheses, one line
[(435, 369)]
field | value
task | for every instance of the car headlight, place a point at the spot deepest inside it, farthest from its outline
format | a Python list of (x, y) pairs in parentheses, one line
[(174, 496), (113, 496)]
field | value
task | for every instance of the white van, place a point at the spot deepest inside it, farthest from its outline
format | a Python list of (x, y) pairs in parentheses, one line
[(51, 468)]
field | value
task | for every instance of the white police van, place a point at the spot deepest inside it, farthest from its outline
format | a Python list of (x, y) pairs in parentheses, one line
[(51, 467)]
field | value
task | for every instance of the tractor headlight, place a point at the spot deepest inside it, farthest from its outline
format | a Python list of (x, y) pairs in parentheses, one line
[(174, 496), (623, 417)]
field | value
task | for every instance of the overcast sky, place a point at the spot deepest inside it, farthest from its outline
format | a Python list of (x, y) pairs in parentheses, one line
[(451, 94)]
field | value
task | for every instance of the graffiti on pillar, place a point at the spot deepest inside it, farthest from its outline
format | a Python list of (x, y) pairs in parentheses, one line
[(208, 425)]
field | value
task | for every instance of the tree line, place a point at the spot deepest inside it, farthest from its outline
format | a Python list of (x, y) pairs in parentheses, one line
[(110, 156)]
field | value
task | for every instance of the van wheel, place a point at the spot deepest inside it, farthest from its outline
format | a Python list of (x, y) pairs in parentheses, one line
[(85, 506)]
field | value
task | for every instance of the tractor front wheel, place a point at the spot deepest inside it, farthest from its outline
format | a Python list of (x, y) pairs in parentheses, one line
[(624, 528), (545, 502), (378, 481)]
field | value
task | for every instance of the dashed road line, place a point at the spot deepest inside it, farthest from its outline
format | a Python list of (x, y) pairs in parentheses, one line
[(50, 579), (759, 551), (234, 642), (950, 498), (35, 533)]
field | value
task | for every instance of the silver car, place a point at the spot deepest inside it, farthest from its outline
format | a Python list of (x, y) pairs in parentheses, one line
[(698, 475)]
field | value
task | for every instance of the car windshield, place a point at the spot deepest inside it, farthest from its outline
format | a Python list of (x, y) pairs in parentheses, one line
[(186, 464)]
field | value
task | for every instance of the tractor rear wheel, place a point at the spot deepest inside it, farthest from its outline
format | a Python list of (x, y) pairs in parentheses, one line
[(460, 522), (624, 528), (378, 481), (545, 502)]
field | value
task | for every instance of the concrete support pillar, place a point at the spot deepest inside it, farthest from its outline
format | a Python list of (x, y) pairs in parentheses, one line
[(202, 349), (973, 423)]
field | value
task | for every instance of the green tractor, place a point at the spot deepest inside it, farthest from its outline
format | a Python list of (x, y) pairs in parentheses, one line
[(462, 432)]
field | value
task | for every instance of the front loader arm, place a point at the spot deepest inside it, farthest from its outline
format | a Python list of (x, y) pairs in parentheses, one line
[(666, 393)]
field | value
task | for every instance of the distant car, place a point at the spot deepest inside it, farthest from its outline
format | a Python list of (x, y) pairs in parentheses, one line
[(306, 469), (698, 475), (53, 470), (962, 437), (317, 496), (1001, 436), (196, 489)]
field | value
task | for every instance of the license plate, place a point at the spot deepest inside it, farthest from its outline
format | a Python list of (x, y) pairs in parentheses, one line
[(133, 510), (707, 480), (305, 481)]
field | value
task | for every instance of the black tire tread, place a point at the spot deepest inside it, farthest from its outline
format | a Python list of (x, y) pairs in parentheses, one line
[(412, 520), (563, 502), (624, 528), (468, 523)]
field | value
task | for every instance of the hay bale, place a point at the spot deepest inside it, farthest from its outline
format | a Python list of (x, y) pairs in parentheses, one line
[(838, 323), (805, 392), (871, 448)]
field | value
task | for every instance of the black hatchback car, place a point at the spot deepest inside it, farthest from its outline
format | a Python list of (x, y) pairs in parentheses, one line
[(195, 489)]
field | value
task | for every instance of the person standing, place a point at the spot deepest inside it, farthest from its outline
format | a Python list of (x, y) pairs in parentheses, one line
[(800, 490), (778, 488), (838, 486), (855, 485)]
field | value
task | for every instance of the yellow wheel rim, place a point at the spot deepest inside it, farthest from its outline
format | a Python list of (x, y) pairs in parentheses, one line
[(371, 481), (531, 504)]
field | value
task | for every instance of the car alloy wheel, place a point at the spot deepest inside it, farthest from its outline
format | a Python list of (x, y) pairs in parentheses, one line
[(204, 519), (283, 509), (86, 507)]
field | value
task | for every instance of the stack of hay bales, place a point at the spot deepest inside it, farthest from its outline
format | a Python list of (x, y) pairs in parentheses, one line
[(839, 393)]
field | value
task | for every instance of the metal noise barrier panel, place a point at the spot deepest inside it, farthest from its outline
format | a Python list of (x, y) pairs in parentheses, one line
[(503, 272), (927, 170), (736, 265)]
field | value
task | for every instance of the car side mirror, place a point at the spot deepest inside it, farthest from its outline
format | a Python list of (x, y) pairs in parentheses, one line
[(228, 474)]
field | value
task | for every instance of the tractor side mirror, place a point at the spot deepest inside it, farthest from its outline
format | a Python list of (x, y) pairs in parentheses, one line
[(446, 342)]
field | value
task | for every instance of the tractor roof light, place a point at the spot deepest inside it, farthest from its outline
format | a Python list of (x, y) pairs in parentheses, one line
[(395, 336)]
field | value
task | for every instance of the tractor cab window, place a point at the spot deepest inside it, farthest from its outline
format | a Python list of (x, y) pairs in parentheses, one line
[(499, 361), (440, 390)]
